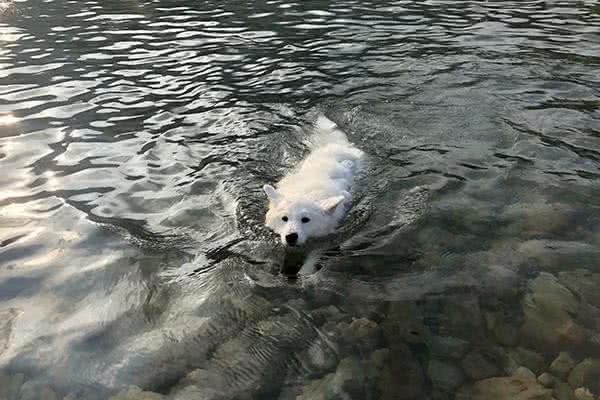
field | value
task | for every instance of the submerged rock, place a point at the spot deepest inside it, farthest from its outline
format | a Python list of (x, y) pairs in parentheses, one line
[(379, 357), (544, 219), (7, 320), (557, 255), (505, 388), (524, 373), (583, 394), (530, 359), (10, 385), (562, 390), (477, 367), (135, 393), (586, 374), (349, 375), (402, 377), (402, 326), (46, 394), (319, 389), (511, 362), (504, 331), (462, 316), (448, 347), (537, 219), (362, 327), (348, 379), (326, 314), (562, 365), (32, 390), (546, 379), (198, 377), (194, 392), (584, 283), (547, 309), (361, 333), (319, 357), (445, 376)]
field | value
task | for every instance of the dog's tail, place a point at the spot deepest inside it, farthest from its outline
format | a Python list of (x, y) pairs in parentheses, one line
[(325, 132)]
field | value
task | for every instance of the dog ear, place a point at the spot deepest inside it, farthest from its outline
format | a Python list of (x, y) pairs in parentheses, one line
[(329, 205), (271, 193)]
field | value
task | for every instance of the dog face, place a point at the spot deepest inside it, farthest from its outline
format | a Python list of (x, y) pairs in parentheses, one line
[(297, 221)]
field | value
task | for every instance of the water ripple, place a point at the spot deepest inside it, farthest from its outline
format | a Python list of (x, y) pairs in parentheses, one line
[(135, 137)]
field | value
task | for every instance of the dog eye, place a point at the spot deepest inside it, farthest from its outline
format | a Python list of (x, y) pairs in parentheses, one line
[(305, 220), (284, 218)]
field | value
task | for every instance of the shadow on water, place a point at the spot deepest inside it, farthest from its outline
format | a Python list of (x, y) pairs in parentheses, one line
[(135, 137)]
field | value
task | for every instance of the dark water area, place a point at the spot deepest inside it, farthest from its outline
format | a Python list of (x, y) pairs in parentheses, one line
[(135, 137)]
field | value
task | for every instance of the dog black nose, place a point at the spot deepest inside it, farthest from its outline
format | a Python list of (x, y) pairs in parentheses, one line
[(291, 239)]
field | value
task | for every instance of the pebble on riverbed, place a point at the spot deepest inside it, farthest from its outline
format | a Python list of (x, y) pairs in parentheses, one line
[(135, 393), (546, 379), (445, 376), (586, 374), (391, 364), (325, 314), (582, 282), (379, 357), (528, 358), (505, 388), (402, 376), (32, 390), (562, 365), (524, 373), (10, 385), (562, 390), (348, 379), (548, 310), (448, 347), (504, 331), (361, 333), (477, 367), (583, 394)]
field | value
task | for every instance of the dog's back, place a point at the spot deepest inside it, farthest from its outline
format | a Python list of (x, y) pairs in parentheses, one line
[(325, 132), (330, 167)]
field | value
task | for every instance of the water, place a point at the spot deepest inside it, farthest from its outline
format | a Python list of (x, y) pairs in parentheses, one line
[(135, 137)]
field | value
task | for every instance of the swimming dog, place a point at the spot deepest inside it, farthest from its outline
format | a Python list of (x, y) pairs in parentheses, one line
[(312, 200)]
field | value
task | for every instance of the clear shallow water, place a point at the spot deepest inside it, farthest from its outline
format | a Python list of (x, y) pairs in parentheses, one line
[(134, 138)]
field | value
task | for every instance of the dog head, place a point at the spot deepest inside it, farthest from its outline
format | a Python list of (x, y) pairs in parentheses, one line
[(298, 220)]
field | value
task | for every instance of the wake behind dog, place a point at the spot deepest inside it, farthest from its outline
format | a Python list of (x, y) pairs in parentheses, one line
[(312, 200)]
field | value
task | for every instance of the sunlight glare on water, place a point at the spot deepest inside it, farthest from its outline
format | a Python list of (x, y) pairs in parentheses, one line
[(8, 119)]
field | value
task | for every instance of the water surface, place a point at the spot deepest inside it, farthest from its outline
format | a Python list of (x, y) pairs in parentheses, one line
[(135, 137)]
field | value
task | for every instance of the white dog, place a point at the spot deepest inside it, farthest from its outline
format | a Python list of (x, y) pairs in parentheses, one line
[(312, 200)]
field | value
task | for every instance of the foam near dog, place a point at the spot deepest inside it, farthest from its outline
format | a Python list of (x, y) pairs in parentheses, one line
[(311, 200)]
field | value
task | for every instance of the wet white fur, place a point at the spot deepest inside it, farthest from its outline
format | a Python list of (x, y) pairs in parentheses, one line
[(318, 189)]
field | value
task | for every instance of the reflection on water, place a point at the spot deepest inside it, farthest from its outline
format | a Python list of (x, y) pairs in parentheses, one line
[(135, 137), (8, 119)]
